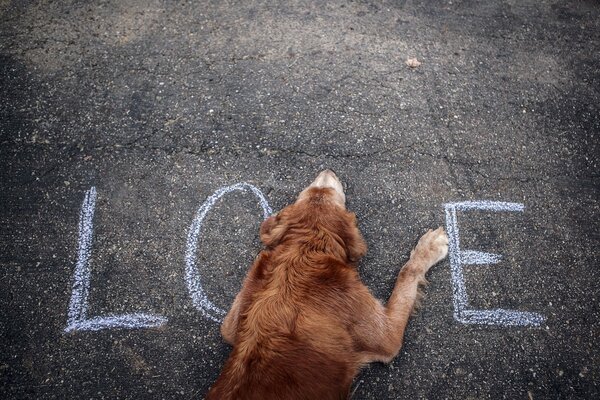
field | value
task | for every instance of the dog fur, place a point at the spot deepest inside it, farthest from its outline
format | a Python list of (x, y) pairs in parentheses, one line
[(303, 323)]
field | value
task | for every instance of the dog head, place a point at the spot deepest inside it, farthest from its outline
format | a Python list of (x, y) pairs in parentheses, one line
[(318, 221)]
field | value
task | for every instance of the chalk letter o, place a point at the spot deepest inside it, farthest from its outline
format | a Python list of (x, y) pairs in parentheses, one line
[(192, 275)]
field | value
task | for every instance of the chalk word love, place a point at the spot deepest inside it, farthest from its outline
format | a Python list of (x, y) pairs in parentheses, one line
[(78, 318)]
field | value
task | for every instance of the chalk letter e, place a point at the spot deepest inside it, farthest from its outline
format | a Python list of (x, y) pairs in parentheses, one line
[(78, 319), (460, 257)]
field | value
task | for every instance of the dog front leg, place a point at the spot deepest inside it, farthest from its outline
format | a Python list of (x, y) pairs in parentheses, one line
[(385, 341)]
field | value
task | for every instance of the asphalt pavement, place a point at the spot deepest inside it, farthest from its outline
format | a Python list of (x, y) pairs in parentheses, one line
[(120, 121)]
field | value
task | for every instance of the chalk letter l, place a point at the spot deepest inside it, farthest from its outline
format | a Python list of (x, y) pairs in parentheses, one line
[(78, 306), (460, 257)]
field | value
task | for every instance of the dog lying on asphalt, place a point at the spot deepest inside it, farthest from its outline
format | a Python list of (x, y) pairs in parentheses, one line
[(303, 323)]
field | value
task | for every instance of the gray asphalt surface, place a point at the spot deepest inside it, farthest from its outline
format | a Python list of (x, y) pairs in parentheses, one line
[(158, 104)]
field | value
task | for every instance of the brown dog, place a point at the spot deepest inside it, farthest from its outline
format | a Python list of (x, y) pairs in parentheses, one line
[(304, 324)]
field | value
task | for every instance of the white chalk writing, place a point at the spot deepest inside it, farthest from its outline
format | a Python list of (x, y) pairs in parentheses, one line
[(192, 276), (78, 319), (459, 257)]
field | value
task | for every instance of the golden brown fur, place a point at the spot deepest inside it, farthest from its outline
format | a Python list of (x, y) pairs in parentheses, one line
[(303, 323)]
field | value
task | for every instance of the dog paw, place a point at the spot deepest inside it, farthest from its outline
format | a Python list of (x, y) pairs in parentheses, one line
[(432, 248)]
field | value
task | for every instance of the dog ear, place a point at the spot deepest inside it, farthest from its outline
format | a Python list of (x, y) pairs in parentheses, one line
[(272, 230), (356, 247)]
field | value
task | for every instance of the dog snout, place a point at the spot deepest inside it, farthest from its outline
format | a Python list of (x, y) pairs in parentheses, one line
[(328, 179)]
